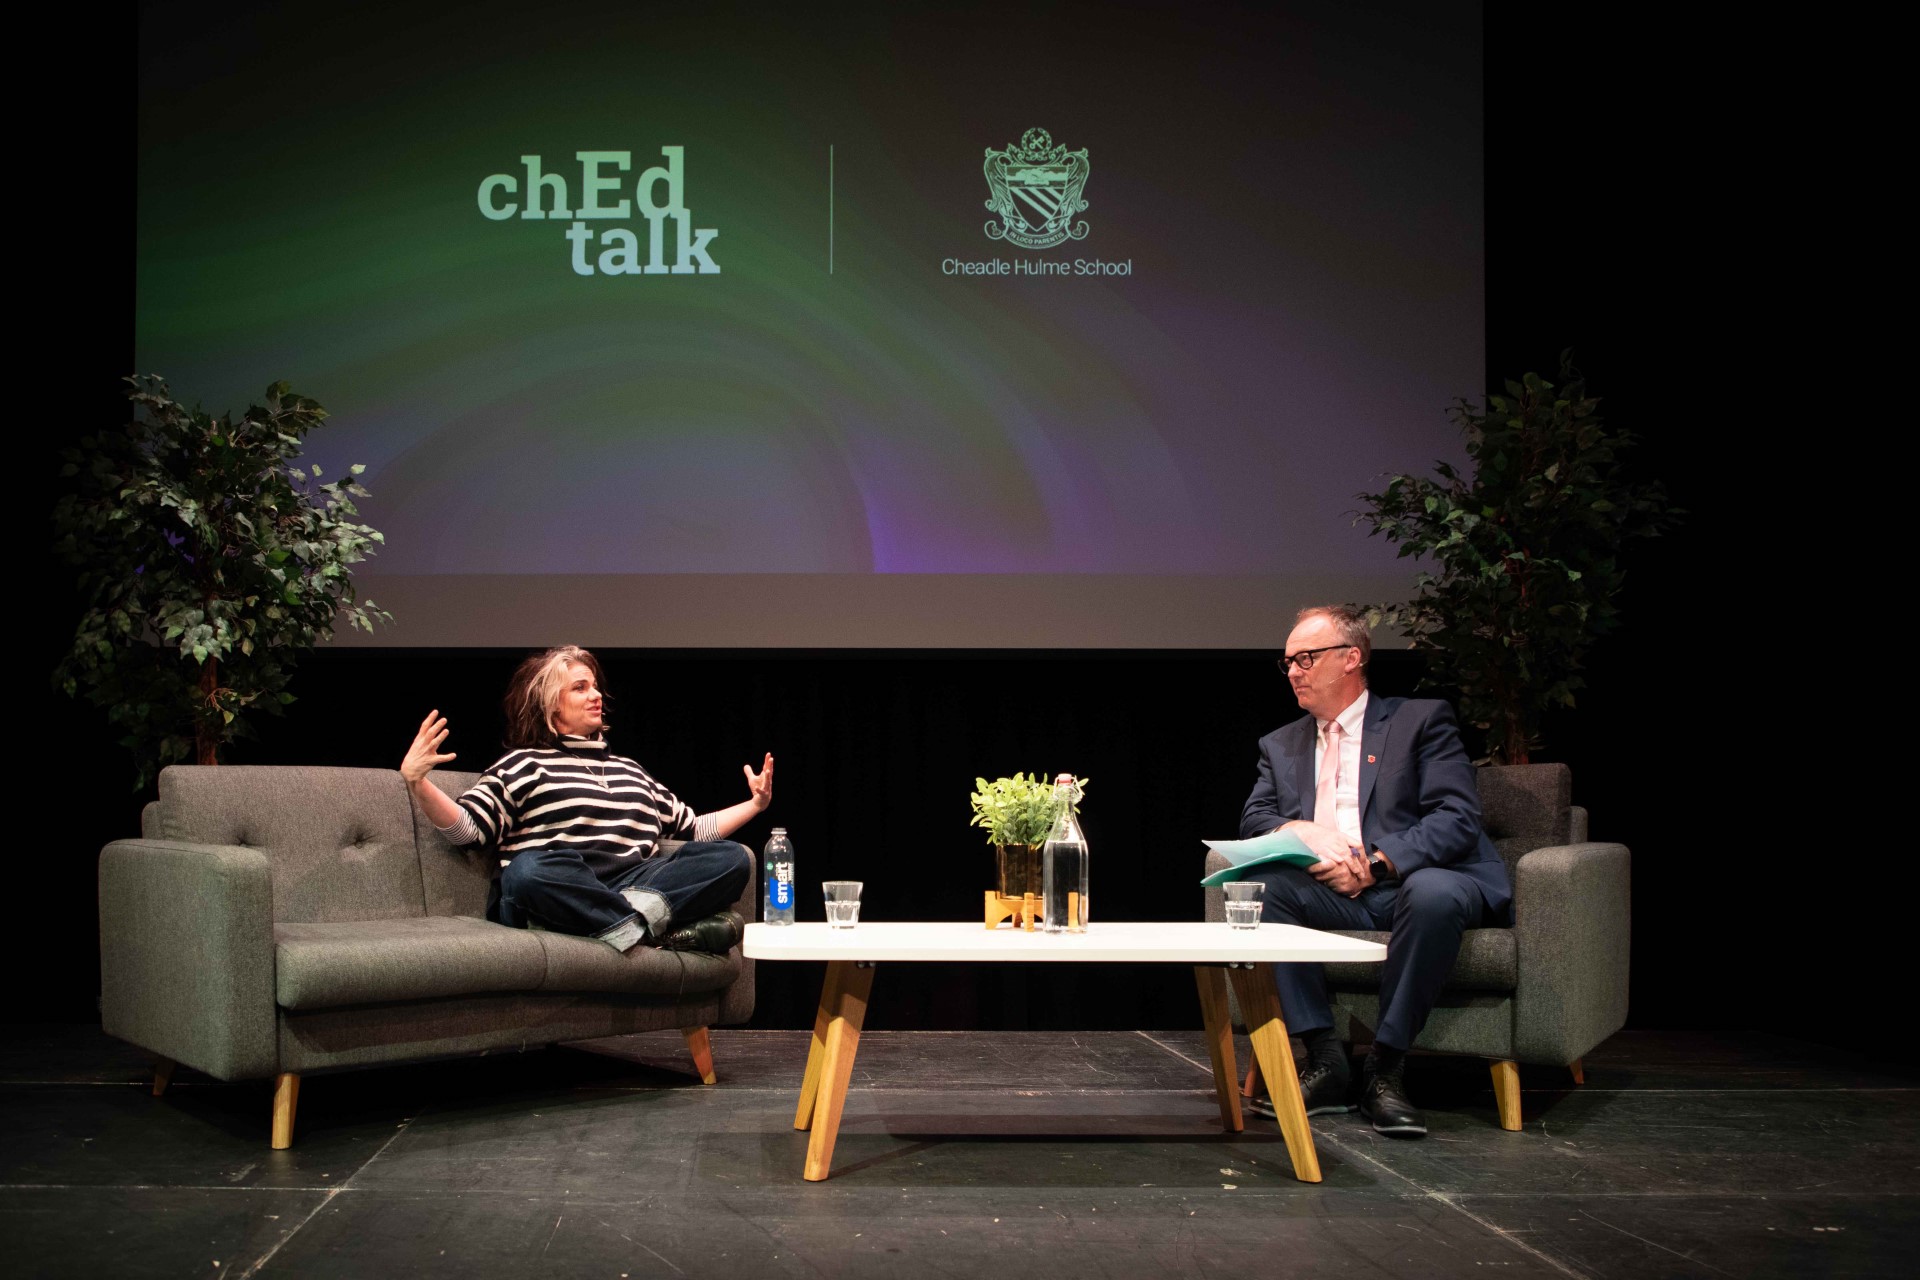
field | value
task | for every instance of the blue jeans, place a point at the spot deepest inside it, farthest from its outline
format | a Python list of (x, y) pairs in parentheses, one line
[(555, 889), (1427, 912)]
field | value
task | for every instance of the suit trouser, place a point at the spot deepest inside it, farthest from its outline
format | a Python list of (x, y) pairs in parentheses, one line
[(557, 889), (1427, 913)]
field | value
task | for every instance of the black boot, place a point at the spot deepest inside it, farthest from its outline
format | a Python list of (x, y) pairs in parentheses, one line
[(1383, 1095), (718, 934)]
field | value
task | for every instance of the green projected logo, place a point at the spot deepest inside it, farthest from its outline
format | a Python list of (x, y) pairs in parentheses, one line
[(1036, 189), (547, 197)]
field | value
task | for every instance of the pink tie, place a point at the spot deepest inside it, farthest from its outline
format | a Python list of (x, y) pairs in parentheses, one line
[(1326, 792)]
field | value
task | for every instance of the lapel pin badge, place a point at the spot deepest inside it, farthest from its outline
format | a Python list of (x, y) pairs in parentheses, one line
[(1369, 759)]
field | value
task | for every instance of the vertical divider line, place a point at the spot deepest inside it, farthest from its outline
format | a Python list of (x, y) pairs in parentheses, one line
[(829, 208)]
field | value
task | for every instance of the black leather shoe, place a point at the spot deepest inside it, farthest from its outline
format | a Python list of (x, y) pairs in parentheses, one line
[(1383, 1101), (717, 934), (1322, 1087)]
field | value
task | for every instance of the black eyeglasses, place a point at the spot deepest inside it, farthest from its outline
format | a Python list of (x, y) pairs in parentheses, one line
[(1304, 658)]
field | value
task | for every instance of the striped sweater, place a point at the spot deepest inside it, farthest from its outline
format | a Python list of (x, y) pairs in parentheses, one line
[(580, 796)]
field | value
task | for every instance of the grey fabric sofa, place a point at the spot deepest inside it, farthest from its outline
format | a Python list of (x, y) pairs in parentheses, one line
[(1545, 991), (278, 922)]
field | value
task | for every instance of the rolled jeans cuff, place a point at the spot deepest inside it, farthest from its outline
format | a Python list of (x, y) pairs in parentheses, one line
[(624, 936), (653, 908)]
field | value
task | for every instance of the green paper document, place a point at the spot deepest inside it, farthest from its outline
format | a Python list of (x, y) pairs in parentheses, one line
[(1275, 846)]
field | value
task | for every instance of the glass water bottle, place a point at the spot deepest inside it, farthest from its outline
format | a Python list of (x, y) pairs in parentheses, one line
[(1063, 864)]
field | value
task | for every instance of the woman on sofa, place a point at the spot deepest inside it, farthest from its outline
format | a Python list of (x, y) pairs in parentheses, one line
[(582, 827)]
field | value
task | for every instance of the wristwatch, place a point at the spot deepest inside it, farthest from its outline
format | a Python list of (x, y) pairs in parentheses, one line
[(1382, 873)]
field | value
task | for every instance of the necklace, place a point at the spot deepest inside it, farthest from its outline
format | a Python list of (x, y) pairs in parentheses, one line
[(599, 771)]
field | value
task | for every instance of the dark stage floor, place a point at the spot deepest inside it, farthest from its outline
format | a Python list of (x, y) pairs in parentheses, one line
[(1010, 1155)]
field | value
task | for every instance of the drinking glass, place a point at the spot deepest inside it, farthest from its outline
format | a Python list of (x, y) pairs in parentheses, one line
[(843, 902), (1244, 901)]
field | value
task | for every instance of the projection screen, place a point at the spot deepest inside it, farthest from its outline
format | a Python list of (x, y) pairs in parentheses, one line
[(734, 326)]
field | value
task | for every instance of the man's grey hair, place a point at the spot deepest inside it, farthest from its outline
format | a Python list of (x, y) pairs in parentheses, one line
[(1350, 622)]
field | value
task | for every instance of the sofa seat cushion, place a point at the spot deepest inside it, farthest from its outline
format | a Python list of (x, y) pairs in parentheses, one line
[(584, 965), (323, 966), (1488, 962)]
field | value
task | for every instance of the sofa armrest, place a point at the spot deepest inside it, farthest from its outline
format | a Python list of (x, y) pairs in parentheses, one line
[(736, 1004), (1572, 933), (186, 954)]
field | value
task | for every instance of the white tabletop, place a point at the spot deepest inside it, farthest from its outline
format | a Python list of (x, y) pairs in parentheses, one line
[(1184, 942)]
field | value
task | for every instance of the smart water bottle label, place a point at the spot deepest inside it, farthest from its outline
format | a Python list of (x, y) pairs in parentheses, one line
[(781, 889)]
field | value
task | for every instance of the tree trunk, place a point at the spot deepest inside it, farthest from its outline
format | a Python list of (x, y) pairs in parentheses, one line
[(1516, 752), (206, 744)]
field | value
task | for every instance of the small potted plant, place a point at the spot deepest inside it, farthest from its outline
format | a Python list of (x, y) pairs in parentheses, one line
[(1016, 813)]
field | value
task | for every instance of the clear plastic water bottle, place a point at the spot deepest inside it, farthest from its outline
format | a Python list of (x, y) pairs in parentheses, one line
[(1063, 864), (778, 863)]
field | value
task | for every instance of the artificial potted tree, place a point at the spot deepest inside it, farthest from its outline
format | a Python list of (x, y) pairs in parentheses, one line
[(1523, 554), (206, 563)]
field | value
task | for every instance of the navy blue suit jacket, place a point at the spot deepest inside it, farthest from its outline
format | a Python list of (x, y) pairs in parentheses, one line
[(1418, 801)]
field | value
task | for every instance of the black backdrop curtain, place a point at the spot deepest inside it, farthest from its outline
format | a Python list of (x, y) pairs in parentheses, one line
[(1605, 204)]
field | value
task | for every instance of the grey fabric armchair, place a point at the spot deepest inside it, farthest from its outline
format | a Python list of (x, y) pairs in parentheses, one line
[(277, 922), (1552, 987)]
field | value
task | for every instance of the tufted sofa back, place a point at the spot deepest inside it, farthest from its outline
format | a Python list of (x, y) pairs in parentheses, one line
[(456, 880), (341, 841)]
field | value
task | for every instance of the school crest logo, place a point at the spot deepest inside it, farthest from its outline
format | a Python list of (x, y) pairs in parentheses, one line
[(1035, 188)]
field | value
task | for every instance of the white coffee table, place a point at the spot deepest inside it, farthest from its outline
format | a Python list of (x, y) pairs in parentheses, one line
[(1216, 952)]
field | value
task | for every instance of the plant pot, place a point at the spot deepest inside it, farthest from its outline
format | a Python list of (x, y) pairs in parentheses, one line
[(1019, 869)]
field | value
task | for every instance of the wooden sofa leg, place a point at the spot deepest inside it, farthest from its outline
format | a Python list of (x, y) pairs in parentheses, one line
[(1253, 1078), (1579, 1071), (701, 1046), (1506, 1092), (286, 1096), (162, 1075)]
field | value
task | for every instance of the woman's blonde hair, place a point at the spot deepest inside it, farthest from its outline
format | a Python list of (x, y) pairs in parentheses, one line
[(533, 695)]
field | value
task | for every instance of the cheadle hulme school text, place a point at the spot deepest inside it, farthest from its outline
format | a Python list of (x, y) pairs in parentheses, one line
[(541, 195)]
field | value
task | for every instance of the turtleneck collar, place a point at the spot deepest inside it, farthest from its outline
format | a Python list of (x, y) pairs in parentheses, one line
[(576, 745)]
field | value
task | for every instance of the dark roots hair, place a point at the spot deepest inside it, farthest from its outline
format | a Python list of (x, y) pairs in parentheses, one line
[(534, 693)]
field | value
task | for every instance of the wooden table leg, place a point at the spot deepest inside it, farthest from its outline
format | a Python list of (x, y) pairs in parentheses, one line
[(1219, 1024), (1260, 1007), (817, 1050), (848, 1012)]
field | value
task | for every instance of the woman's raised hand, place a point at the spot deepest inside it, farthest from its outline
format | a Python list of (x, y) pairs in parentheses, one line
[(424, 754), (761, 783)]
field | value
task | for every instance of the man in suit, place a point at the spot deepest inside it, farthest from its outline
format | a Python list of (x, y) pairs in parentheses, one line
[(1382, 790)]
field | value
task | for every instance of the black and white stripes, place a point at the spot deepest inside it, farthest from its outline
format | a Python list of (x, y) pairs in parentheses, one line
[(577, 796)]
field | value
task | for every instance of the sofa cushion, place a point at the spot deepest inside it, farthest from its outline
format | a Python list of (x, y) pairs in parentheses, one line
[(323, 966), (340, 841), (1488, 961), (584, 964)]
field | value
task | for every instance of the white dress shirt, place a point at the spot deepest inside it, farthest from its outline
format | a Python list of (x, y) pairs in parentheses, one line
[(1347, 794)]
